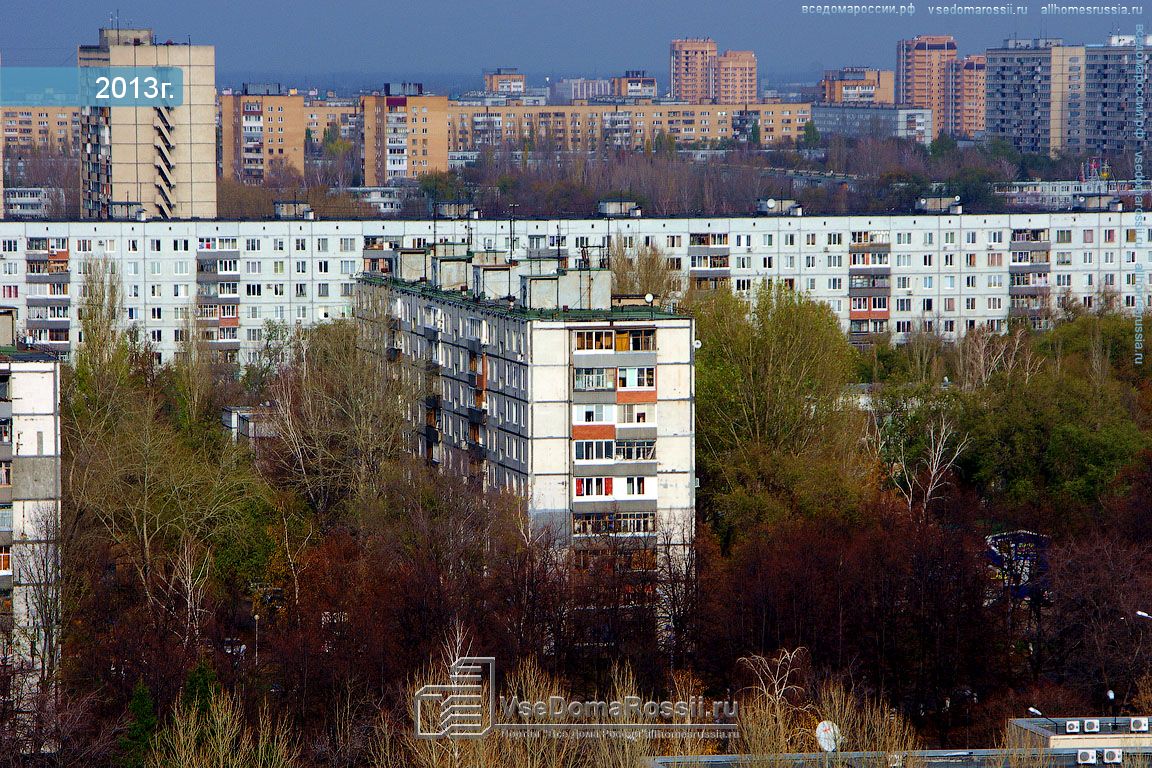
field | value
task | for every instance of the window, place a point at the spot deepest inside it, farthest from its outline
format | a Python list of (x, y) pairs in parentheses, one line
[(592, 413), (594, 340), (636, 341), (636, 378), (638, 413), (594, 486), (6, 560), (5, 473), (636, 450), (634, 486), (593, 379), (594, 450)]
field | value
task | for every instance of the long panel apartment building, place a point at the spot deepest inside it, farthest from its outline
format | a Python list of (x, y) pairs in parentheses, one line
[(532, 380), (880, 274)]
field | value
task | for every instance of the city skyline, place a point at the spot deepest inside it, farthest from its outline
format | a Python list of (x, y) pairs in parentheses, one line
[(541, 41)]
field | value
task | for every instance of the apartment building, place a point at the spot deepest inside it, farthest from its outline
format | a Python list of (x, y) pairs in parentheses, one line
[(940, 272), (926, 77), (162, 159), (507, 81), (692, 69), (40, 130), (737, 80), (29, 517), (1046, 96), (261, 127), (588, 127), (860, 120), (858, 85), (1033, 88), (404, 137), (970, 94), (578, 89), (531, 380), (335, 114), (634, 84)]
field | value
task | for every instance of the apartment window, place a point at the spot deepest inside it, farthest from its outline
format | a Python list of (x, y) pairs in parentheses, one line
[(301, 244), (995, 259), (252, 244), (6, 558), (636, 378), (1089, 236), (927, 305), (592, 413), (322, 290), (1063, 235), (322, 244), (589, 379), (157, 313), (301, 291), (322, 267), (252, 289), (594, 450), (5, 473), (638, 413), (636, 450), (634, 486), (594, 340), (970, 302), (301, 267), (252, 267), (347, 244), (903, 305), (278, 244), (594, 486)]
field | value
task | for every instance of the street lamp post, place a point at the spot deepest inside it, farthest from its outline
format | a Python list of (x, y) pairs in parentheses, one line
[(1038, 713), (256, 617)]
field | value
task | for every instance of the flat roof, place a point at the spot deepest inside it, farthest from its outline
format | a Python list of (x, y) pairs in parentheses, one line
[(500, 306)]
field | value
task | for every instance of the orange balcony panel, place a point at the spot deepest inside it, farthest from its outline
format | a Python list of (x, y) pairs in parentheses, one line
[(636, 396), (61, 255), (593, 432), (229, 322)]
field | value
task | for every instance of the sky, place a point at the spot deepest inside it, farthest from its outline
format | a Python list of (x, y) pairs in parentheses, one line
[(448, 43)]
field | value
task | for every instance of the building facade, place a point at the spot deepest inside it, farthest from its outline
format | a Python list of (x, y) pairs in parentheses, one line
[(507, 81), (262, 126), (1032, 89), (926, 77), (970, 94), (29, 521), (582, 408), (634, 84), (162, 159), (858, 85), (737, 79), (404, 137), (879, 274), (578, 89), (40, 130), (692, 69), (874, 121)]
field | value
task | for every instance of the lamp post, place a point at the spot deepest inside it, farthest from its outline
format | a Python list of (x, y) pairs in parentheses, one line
[(1111, 694), (256, 617)]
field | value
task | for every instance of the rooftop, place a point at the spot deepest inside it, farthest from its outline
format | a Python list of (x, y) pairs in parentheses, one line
[(512, 307)]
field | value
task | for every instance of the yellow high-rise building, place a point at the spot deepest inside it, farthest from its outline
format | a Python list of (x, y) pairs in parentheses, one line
[(261, 127)]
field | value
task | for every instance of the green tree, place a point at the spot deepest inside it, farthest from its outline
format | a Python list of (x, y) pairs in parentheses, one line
[(811, 135), (135, 742)]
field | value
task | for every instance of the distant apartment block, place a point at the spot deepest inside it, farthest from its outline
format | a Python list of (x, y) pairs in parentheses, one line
[(737, 80), (970, 92), (342, 116), (507, 81), (532, 380), (700, 75), (578, 89), (1048, 97), (40, 130), (31, 202), (161, 159), (926, 77), (634, 84), (262, 126), (874, 121), (404, 137), (858, 85), (692, 69), (893, 274)]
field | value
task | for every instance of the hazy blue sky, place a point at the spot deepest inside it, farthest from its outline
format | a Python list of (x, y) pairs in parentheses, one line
[(448, 42)]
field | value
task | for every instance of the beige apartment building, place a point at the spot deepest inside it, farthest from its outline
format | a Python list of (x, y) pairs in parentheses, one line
[(737, 80), (31, 129), (692, 69), (161, 159), (261, 127), (925, 77), (343, 115), (970, 95), (506, 81), (404, 137), (858, 85)]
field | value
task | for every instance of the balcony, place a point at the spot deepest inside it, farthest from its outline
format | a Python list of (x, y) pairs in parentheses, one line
[(477, 452), (392, 354), (473, 345), (433, 401), (432, 367), (478, 416), (62, 276), (431, 433), (431, 333)]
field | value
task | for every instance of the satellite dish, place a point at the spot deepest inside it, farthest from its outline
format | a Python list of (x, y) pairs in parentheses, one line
[(649, 298), (828, 736), (696, 344)]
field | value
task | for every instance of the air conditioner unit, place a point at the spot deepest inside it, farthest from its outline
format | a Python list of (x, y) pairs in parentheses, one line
[(1072, 726), (1085, 757), (1113, 756), (1138, 725), (1091, 726)]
